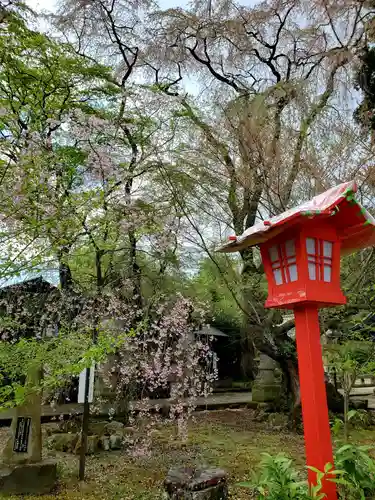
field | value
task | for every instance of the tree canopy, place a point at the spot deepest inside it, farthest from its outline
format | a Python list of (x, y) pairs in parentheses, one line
[(135, 139)]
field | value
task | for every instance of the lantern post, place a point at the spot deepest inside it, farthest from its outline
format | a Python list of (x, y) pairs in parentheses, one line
[(301, 251)]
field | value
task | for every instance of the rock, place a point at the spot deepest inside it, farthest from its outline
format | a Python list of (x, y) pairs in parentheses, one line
[(28, 479), (98, 428), (51, 428), (63, 442), (92, 445), (359, 404), (104, 443), (72, 425), (261, 416), (219, 492), (278, 421), (116, 441), (196, 484), (266, 393), (114, 427), (129, 430), (266, 387)]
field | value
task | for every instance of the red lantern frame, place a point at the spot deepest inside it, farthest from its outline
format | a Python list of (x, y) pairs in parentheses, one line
[(304, 289)]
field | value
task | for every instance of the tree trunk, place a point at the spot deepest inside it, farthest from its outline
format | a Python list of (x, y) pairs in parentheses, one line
[(346, 411), (249, 328), (290, 372), (289, 368), (248, 364)]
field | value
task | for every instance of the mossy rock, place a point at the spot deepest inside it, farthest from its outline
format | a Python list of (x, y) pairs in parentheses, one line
[(98, 428), (62, 442), (114, 427), (93, 445)]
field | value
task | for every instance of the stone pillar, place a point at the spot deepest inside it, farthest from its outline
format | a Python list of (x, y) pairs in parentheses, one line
[(22, 470), (196, 484), (266, 387)]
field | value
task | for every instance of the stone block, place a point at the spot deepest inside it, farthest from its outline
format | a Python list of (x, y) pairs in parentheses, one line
[(116, 441), (104, 443), (265, 393), (51, 428), (196, 484), (71, 425), (92, 445), (218, 492), (278, 421), (28, 479), (62, 442), (114, 427), (98, 428)]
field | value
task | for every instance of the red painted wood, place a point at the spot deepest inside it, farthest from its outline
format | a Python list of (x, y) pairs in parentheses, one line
[(313, 394), (304, 290)]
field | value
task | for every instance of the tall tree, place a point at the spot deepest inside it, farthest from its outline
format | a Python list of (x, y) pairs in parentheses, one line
[(248, 93), (271, 80)]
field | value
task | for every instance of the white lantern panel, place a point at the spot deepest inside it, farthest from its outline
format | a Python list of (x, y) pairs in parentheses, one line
[(312, 271), (274, 254), (290, 248), (293, 272), (327, 273), (310, 246), (278, 276), (327, 248)]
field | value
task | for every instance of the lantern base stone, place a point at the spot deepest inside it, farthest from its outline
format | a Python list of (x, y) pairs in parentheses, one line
[(266, 393), (266, 388)]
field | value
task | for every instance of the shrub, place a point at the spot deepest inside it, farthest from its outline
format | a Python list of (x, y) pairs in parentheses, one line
[(359, 468), (278, 480)]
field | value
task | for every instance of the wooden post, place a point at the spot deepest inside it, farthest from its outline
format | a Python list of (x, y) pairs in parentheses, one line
[(85, 427), (86, 411), (313, 395)]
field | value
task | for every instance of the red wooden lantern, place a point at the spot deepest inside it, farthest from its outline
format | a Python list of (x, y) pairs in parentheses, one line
[(301, 251), (303, 265)]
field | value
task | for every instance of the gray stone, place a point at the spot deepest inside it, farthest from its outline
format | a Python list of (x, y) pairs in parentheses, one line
[(116, 441), (104, 443), (71, 425), (31, 411), (267, 387), (28, 479), (263, 393), (22, 470), (51, 428), (92, 445), (114, 427), (98, 428), (218, 492), (62, 442), (196, 484), (278, 421)]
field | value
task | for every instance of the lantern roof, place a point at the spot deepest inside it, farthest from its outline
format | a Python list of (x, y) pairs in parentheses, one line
[(355, 226)]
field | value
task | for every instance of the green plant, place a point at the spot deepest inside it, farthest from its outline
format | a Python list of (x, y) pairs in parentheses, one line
[(360, 419), (337, 426), (348, 361), (359, 469), (356, 419), (278, 480)]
